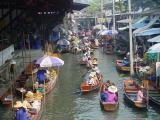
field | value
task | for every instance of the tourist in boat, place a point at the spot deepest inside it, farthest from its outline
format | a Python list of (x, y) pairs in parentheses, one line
[(104, 95), (140, 94), (94, 62), (84, 58), (90, 80), (108, 83), (111, 93), (89, 63)]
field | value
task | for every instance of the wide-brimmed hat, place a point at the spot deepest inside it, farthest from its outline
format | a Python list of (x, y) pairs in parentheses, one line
[(112, 89), (18, 104)]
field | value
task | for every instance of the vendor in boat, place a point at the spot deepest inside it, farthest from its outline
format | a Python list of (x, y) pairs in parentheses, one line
[(140, 94), (41, 76), (125, 61), (111, 94), (21, 113)]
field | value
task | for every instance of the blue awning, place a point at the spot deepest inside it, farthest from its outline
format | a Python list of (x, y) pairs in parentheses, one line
[(152, 31), (141, 29), (139, 24), (155, 39)]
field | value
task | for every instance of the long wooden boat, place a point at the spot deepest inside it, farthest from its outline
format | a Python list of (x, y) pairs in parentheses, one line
[(130, 88), (126, 68), (154, 94), (107, 106), (49, 84), (121, 67), (85, 87), (81, 62), (34, 114), (7, 99)]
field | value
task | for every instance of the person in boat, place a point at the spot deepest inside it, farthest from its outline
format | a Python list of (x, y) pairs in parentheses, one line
[(90, 80), (111, 93), (104, 95), (94, 62), (125, 61), (21, 113), (96, 69), (89, 63), (108, 83), (41, 76), (84, 58), (140, 94)]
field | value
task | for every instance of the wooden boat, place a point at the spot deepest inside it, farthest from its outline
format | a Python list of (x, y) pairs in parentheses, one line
[(130, 88), (81, 62), (126, 68), (109, 107), (7, 99), (34, 114), (49, 83), (154, 93), (121, 67), (94, 45), (85, 87)]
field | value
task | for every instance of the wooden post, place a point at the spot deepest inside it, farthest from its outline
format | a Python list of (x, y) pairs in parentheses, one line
[(146, 86)]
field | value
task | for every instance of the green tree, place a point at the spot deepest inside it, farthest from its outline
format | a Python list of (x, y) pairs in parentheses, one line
[(95, 6)]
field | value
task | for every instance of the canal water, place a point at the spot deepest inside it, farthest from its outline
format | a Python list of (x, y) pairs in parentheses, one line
[(67, 103)]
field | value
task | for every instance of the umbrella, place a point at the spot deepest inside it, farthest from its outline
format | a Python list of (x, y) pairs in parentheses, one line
[(109, 32), (63, 42), (154, 49), (49, 61)]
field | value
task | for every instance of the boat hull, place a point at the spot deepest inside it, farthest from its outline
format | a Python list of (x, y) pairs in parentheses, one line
[(130, 89)]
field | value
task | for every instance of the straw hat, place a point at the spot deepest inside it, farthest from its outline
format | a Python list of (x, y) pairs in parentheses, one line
[(112, 89), (26, 104), (18, 104), (29, 94)]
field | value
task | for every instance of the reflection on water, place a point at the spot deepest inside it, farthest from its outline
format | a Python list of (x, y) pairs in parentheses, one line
[(67, 103)]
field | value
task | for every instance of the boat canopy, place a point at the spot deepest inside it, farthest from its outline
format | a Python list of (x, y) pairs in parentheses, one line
[(152, 31), (152, 21), (155, 39)]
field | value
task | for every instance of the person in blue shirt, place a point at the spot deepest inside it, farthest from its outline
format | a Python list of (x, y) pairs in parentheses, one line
[(125, 61), (41, 76), (21, 114)]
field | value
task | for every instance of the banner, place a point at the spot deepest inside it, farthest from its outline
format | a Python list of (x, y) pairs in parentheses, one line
[(157, 69)]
